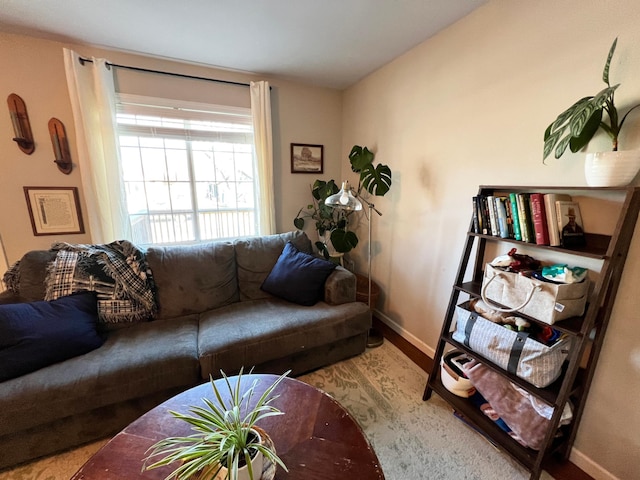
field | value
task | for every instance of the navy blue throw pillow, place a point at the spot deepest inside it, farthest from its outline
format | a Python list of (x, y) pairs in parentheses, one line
[(298, 277), (36, 334)]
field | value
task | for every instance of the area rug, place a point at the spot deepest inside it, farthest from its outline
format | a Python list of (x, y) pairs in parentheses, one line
[(382, 389)]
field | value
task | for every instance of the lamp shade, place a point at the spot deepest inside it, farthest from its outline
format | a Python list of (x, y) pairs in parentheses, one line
[(344, 199)]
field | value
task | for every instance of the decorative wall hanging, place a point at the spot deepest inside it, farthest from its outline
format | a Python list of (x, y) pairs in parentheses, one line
[(54, 210), (21, 126), (306, 158), (60, 146)]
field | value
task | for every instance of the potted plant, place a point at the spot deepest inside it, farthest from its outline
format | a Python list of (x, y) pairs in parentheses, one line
[(227, 442), (374, 179), (577, 125)]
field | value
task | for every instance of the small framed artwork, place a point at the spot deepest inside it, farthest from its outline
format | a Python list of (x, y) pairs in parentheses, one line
[(54, 210), (306, 158)]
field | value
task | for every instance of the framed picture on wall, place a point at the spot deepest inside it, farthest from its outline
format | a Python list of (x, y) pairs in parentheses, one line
[(306, 158), (54, 210)]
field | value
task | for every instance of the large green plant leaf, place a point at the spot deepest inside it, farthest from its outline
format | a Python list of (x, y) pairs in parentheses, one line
[(605, 72), (588, 131), (376, 180), (360, 157), (343, 241), (321, 190)]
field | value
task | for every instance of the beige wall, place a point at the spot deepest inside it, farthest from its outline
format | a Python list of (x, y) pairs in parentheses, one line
[(34, 69), (470, 107), (467, 107)]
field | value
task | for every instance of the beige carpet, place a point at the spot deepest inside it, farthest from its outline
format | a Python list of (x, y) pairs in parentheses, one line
[(382, 389)]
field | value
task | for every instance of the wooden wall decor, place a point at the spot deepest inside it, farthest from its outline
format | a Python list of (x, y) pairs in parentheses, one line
[(60, 146), (21, 126)]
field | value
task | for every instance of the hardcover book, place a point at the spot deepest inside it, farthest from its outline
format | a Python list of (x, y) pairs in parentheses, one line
[(502, 217), (524, 214), (514, 216), (550, 200), (493, 216), (570, 224), (539, 217)]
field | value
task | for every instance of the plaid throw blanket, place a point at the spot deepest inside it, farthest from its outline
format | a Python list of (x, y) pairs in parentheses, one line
[(117, 272)]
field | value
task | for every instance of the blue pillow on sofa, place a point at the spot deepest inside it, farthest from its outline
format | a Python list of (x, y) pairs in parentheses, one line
[(298, 277), (36, 334)]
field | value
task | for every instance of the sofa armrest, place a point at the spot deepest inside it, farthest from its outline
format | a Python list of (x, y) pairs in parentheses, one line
[(340, 287)]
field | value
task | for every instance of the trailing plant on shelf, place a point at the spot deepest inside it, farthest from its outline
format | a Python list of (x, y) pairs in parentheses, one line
[(373, 179), (226, 437), (578, 124)]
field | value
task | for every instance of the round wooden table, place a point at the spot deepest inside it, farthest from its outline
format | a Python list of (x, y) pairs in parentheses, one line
[(316, 438)]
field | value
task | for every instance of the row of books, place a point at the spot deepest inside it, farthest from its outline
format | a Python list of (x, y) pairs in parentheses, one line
[(540, 218)]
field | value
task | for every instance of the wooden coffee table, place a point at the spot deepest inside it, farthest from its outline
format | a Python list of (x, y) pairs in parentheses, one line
[(316, 438)]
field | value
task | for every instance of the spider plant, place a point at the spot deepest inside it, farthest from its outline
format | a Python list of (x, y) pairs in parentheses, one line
[(577, 125), (225, 435)]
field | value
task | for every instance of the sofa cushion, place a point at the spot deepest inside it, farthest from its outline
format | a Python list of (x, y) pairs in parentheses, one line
[(298, 277), (253, 332), (34, 335), (193, 279), (134, 362), (256, 256)]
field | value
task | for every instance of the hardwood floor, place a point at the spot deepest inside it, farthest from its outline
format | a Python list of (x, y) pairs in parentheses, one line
[(559, 469)]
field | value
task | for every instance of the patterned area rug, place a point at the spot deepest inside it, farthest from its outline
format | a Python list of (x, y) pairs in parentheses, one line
[(382, 389)]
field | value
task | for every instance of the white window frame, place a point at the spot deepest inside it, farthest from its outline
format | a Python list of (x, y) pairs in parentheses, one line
[(195, 224)]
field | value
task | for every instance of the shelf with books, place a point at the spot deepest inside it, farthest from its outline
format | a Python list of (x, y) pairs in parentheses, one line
[(610, 215), (595, 245)]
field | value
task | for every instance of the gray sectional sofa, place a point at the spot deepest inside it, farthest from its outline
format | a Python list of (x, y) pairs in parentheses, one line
[(212, 315)]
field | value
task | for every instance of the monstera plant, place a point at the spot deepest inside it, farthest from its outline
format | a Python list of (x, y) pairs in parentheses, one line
[(374, 179)]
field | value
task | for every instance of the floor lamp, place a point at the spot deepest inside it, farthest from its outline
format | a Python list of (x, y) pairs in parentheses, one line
[(346, 201)]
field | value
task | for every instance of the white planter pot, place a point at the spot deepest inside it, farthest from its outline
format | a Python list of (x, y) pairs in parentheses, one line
[(243, 472), (611, 169), (257, 464)]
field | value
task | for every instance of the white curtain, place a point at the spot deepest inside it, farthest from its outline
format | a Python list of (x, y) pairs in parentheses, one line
[(92, 93), (261, 113)]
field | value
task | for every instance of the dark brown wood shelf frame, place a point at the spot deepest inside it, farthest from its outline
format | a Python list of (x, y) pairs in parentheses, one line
[(587, 330)]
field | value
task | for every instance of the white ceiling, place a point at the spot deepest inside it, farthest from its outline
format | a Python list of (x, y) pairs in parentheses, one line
[(332, 43)]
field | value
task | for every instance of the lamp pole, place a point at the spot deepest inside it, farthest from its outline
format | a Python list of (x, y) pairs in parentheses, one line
[(346, 200), (375, 337)]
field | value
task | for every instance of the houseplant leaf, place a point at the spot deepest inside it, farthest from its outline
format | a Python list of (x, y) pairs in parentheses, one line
[(376, 180), (588, 131), (360, 157), (343, 241)]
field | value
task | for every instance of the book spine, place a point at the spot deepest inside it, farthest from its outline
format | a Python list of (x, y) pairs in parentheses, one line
[(514, 215), (475, 218), (491, 205), (502, 217), (486, 230), (539, 219), (524, 213), (552, 216)]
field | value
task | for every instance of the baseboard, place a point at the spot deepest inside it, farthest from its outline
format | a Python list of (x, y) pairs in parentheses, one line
[(579, 466), (415, 341), (590, 467)]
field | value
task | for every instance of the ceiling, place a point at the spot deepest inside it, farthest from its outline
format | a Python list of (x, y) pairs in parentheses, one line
[(331, 43)]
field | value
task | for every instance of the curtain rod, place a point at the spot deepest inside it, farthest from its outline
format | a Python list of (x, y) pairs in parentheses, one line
[(182, 75)]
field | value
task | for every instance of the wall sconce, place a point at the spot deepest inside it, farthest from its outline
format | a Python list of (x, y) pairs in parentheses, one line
[(60, 146), (21, 126)]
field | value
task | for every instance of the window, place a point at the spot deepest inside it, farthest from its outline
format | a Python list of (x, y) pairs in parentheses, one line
[(188, 169)]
